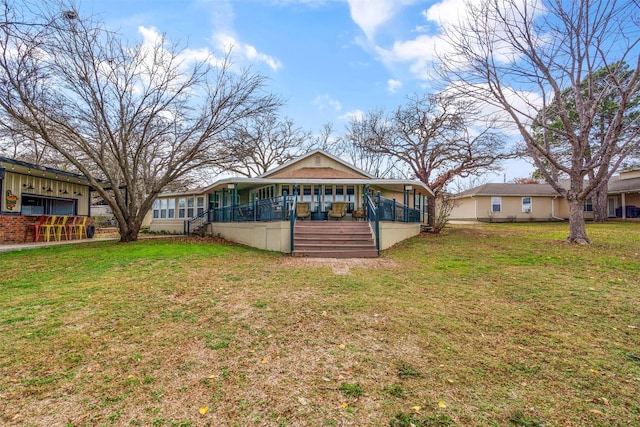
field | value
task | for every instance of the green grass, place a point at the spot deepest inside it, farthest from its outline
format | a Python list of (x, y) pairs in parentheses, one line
[(486, 325)]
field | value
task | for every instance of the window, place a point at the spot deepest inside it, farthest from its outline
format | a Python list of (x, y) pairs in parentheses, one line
[(266, 192), (200, 205), (328, 197), (182, 205), (526, 204), (350, 198), (496, 204), (172, 208), (306, 193), (588, 205), (190, 202), (163, 208), (35, 205)]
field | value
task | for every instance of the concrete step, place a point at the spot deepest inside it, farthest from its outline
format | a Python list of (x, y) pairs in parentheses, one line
[(334, 239), (334, 253), (316, 240)]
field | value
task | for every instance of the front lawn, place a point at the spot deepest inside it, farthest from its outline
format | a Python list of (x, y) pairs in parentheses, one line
[(486, 325)]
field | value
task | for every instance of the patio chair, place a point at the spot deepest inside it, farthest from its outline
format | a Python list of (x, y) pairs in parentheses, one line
[(338, 210), (358, 214), (80, 227), (60, 227), (36, 227), (69, 226), (302, 211), (48, 228)]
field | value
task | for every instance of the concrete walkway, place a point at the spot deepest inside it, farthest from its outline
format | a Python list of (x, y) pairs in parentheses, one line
[(25, 246)]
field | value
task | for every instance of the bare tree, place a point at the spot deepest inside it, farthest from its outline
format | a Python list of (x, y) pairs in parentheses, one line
[(602, 121), (132, 119), (357, 148), (432, 136), (519, 56), (327, 141), (256, 144)]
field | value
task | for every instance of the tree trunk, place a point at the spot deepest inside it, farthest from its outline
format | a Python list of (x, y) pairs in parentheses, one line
[(129, 232), (599, 202), (431, 210), (577, 229)]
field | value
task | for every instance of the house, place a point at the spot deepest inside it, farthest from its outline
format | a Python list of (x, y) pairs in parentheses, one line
[(624, 194), (33, 193), (495, 202), (314, 190), (509, 202)]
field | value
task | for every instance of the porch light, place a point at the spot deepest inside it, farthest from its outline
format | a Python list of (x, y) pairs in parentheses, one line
[(48, 190), (231, 186), (408, 187)]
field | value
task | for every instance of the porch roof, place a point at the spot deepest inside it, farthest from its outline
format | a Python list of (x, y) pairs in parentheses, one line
[(628, 185), (25, 168), (386, 184), (507, 189)]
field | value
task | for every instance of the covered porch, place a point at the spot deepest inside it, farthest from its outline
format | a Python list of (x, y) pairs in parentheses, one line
[(267, 212), (274, 223), (42, 204)]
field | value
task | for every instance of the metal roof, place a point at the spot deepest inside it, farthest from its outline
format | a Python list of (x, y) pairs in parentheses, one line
[(27, 168)]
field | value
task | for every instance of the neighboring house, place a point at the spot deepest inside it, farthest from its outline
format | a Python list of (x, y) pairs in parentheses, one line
[(509, 202), (31, 192), (257, 211), (624, 194), (496, 202)]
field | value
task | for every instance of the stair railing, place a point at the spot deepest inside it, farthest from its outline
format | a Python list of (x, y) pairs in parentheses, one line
[(198, 221), (292, 205), (373, 216)]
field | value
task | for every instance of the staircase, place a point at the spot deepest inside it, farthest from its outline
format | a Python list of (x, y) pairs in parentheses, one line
[(334, 239)]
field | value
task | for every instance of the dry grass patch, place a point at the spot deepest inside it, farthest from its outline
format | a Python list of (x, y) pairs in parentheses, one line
[(487, 325)]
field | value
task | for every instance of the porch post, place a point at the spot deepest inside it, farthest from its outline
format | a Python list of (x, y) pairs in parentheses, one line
[(624, 206), (377, 225)]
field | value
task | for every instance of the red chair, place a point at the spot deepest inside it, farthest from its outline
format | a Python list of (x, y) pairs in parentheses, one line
[(35, 226), (70, 227)]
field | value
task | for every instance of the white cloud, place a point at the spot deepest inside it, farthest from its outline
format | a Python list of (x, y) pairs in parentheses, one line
[(393, 85), (525, 103), (357, 115), (152, 38), (150, 35), (325, 102), (370, 15), (424, 50), (243, 51)]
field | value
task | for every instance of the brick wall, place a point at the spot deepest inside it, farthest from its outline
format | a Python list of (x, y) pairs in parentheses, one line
[(14, 228)]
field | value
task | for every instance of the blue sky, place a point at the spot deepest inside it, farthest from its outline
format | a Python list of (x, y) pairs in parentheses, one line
[(329, 59)]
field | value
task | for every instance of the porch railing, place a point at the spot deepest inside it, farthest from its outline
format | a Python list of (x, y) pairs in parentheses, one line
[(390, 210)]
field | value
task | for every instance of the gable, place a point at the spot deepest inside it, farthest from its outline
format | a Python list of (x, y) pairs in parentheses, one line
[(315, 173), (316, 164)]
